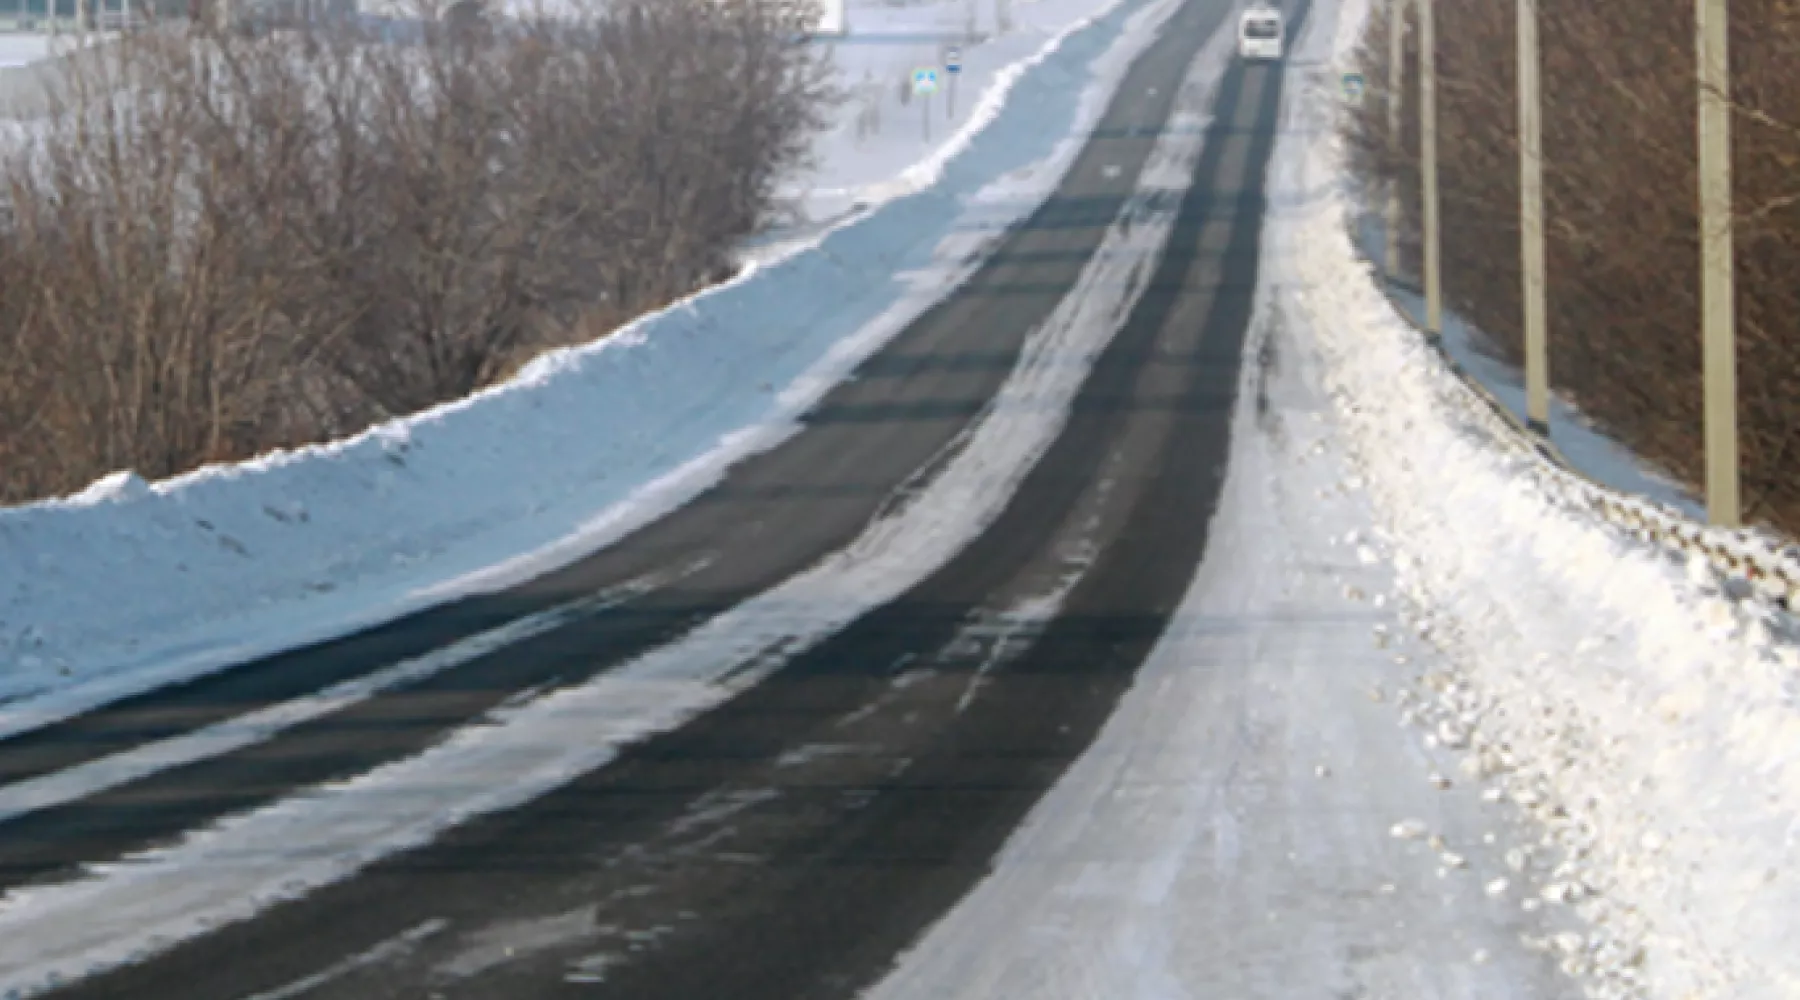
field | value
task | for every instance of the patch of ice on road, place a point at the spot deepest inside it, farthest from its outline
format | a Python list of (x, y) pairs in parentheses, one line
[(498, 944)]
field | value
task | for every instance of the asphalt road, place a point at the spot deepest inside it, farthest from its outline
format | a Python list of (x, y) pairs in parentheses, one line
[(724, 858), (864, 447)]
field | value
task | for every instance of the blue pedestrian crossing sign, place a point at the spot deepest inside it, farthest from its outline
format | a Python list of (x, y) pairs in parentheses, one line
[(925, 81), (1353, 87)]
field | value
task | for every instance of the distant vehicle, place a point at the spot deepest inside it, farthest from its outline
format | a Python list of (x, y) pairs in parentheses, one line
[(1260, 35)]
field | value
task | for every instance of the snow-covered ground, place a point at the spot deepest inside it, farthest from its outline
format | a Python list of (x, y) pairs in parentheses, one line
[(22, 49), (247, 862), (876, 139), (131, 585), (1645, 717)]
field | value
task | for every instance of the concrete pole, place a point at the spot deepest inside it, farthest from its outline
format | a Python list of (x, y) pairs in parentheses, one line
[(1396, 79), (1717, 309), (1531, 223), (1434, 284)]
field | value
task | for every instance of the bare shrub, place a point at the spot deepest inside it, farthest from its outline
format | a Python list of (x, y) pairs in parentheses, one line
[(221, 242), (1621, 215)]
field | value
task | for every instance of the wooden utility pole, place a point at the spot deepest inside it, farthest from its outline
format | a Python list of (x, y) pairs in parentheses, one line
[(1718, 318), (1531, 223)]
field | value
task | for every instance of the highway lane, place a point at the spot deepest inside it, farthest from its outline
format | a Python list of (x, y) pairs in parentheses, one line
[(792, 842)]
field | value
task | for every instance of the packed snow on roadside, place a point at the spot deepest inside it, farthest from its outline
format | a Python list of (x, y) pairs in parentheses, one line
[(130, 585), (1641, 711)]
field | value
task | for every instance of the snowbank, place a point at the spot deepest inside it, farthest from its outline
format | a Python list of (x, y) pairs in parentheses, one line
[(1642, 712), (130, 584)]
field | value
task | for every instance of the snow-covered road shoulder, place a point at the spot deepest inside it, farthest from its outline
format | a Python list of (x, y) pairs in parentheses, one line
[(1645, 716)]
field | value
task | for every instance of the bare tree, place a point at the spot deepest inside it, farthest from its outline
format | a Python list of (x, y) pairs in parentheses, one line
[(221, 242), (1622, 215)]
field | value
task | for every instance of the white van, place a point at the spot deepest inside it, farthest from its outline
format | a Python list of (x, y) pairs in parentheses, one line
[(1260, 34)]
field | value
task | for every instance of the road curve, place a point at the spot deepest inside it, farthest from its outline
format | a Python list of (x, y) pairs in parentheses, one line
[(790, 843)]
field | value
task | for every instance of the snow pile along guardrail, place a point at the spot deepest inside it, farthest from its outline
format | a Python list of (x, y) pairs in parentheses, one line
[(1767, 565), (131, 584)]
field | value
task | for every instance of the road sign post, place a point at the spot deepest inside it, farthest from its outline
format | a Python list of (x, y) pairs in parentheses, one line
[(924, 84), (953, 66)]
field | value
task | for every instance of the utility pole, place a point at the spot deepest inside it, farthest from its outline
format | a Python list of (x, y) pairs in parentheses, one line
[(1531, 223), (1717, 309), (1396, 79), (1434, 284)]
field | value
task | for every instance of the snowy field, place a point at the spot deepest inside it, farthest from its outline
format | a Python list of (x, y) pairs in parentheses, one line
[(22, 49), (878, 140)]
